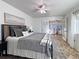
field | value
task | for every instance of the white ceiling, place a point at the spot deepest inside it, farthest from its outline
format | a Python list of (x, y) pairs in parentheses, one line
[(55, 7)]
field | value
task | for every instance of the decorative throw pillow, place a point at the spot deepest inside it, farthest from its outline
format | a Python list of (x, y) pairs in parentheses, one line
[(12, 33)]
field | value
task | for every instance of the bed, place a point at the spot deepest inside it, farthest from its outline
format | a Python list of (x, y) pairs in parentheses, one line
[(34, 45)]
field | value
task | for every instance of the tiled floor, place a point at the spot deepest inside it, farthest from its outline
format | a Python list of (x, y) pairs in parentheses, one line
[(63, 50)]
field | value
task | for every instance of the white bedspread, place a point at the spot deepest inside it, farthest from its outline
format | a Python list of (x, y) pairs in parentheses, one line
[(12, 49)]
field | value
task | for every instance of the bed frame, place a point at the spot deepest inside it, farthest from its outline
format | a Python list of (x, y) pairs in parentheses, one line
[(6, 31)]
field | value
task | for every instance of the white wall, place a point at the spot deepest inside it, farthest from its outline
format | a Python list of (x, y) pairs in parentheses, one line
[(6, 8), (42, 24), (64, 31)]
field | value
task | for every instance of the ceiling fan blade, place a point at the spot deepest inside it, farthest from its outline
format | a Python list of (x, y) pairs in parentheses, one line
[(36, 9)]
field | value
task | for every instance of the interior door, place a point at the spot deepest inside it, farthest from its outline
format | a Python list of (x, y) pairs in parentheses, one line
[(76, 35), (45, 26)]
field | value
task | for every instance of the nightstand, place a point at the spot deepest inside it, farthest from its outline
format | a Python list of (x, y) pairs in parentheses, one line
[(3, 48)]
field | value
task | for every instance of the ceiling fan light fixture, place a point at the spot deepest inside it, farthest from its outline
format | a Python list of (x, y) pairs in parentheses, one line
[(43, 9)]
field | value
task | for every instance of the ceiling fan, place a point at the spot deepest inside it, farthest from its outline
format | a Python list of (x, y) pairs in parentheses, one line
[(42, 7)]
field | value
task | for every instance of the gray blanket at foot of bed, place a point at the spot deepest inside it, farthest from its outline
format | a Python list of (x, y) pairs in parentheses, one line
[(32, 42)]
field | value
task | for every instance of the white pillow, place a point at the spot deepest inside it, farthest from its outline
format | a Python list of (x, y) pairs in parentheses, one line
[(26, 33)]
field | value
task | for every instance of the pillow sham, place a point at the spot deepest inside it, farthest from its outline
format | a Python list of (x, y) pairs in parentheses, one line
[(18, 32), (26, 33), (12, 33)]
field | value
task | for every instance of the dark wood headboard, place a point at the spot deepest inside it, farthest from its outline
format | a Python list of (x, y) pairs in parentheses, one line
[(6, 31)]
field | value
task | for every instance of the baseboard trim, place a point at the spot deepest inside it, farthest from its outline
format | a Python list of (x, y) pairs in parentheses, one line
[(18, 56)]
